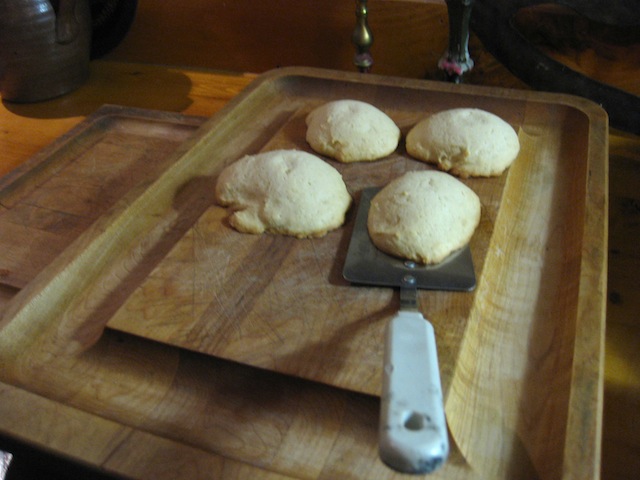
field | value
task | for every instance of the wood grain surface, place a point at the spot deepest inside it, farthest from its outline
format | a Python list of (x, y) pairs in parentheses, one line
[(280, 303), (150, 238), (248, 434), (50, 200)]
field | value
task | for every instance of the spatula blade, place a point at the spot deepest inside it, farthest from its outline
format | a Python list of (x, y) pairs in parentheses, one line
[(367, 265)]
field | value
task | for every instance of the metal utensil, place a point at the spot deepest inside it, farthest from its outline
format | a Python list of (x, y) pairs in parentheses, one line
[(413, 432)]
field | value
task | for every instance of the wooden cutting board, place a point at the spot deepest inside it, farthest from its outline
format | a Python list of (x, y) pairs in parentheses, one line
[(281, 303), (50, 200), (521, 357)]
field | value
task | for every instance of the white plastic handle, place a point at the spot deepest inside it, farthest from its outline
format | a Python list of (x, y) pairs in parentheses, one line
[(413, 429)]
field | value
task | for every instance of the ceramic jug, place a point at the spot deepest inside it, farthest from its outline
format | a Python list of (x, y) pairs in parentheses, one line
[(44, 48)]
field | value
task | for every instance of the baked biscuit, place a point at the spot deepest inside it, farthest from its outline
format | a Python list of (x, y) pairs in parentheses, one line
[(423, 216), (351, 131), (287, 192), (467, 142)]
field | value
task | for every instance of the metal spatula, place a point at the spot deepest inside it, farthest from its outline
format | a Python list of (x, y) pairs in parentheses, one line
[(413, 430)]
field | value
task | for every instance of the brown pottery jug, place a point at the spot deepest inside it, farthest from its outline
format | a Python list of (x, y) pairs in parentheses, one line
[(44, 48)]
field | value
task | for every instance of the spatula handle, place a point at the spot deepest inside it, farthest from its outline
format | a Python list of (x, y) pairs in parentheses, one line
[(413, 430)]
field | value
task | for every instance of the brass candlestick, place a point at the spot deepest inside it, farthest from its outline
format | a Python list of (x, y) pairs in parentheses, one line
[(456, 60), (362, 38)]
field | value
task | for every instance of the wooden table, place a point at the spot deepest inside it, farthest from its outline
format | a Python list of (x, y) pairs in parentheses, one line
[(327, 433)]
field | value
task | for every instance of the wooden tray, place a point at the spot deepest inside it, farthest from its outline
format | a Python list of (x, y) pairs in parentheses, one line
[(521, 357), (52, 198)]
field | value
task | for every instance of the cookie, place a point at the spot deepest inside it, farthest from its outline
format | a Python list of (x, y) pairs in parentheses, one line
[(351, 131), (423, 216), (286, 192), (467, 142)]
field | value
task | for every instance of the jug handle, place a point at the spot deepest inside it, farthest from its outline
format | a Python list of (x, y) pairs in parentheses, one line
[(67, 26)]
